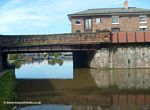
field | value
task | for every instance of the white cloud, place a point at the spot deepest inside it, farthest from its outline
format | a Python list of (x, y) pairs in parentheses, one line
[(11, 14), (24, 15), (31, 14)]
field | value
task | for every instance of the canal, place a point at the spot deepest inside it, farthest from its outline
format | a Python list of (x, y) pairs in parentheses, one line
[(55, 85)]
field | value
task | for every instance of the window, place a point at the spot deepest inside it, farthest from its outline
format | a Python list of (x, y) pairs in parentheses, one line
[(115, 20), (143, 19), (98, 20), (78, 31), (78, 21), (88, 23)]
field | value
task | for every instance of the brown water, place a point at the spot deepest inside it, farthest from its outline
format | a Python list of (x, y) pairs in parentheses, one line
[(86, 89)]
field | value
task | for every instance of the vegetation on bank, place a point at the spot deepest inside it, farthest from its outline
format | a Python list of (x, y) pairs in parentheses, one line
[(7, 89)]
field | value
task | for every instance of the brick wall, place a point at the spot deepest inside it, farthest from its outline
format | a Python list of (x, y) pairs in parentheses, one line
[(77, 26), (70, 38), (126, 23)]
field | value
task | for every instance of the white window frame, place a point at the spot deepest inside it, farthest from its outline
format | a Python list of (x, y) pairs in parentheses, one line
[(88, 23), (143, 27), (115, 17), (96, 20), (143, 16), (78, 19)]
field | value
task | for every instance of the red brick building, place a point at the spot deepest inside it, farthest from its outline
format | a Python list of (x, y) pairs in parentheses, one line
[(113, 19)]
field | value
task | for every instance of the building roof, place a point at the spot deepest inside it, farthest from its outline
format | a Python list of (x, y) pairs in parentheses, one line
[(111, 11)]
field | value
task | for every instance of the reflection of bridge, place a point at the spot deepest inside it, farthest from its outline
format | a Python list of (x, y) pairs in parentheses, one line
[(83, 42), (84, 95), (122, 78), (129, 87)]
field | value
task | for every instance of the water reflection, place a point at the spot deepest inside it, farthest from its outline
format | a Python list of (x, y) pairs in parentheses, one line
[(122, 78), (61, 107), (55, 61), (87, 89), (45, 69), (47, 107)]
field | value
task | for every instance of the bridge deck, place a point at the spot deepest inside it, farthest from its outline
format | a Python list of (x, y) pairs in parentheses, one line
[(74, 38), (69, 42)]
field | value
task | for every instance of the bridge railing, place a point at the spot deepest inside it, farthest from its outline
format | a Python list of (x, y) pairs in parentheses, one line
[(76, 38), (130, 37)]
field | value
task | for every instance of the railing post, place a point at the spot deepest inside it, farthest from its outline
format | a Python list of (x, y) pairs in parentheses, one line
[(117, 37), (135, 37), (144, 38), (126, 37)]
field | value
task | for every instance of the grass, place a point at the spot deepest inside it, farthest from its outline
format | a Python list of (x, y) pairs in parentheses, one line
[(7, 89)]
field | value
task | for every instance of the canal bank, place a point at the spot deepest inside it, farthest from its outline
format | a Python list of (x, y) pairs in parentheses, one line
[(7, 89)]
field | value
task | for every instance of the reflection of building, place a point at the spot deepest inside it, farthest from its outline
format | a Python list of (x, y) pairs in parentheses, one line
[(121, 102), (131, 100), (114, 19), (128, 102), (82, 93), (122, 79)]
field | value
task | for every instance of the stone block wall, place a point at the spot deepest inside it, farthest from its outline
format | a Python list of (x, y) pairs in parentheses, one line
[(101, 59), (122, 57)]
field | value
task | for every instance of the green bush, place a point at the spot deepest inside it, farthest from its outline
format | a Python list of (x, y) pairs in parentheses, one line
[(56, 54), (7, 89)]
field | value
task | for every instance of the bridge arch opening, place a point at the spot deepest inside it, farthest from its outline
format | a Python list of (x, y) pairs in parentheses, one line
[(81, 59)]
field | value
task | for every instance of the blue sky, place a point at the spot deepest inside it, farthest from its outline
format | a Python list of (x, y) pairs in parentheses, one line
[(49, 16)]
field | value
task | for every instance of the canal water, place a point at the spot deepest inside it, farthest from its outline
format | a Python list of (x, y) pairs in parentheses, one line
[(55, 85)]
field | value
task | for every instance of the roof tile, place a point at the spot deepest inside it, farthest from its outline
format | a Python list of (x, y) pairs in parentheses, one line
[(111, 11)]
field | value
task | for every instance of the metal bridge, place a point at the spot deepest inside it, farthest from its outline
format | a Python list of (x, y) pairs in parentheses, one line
[(69, 42)]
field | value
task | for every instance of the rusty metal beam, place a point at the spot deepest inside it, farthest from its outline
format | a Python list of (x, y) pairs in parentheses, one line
[(51, 48)]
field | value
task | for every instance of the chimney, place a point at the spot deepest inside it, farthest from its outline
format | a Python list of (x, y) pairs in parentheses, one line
[(126, 4)]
